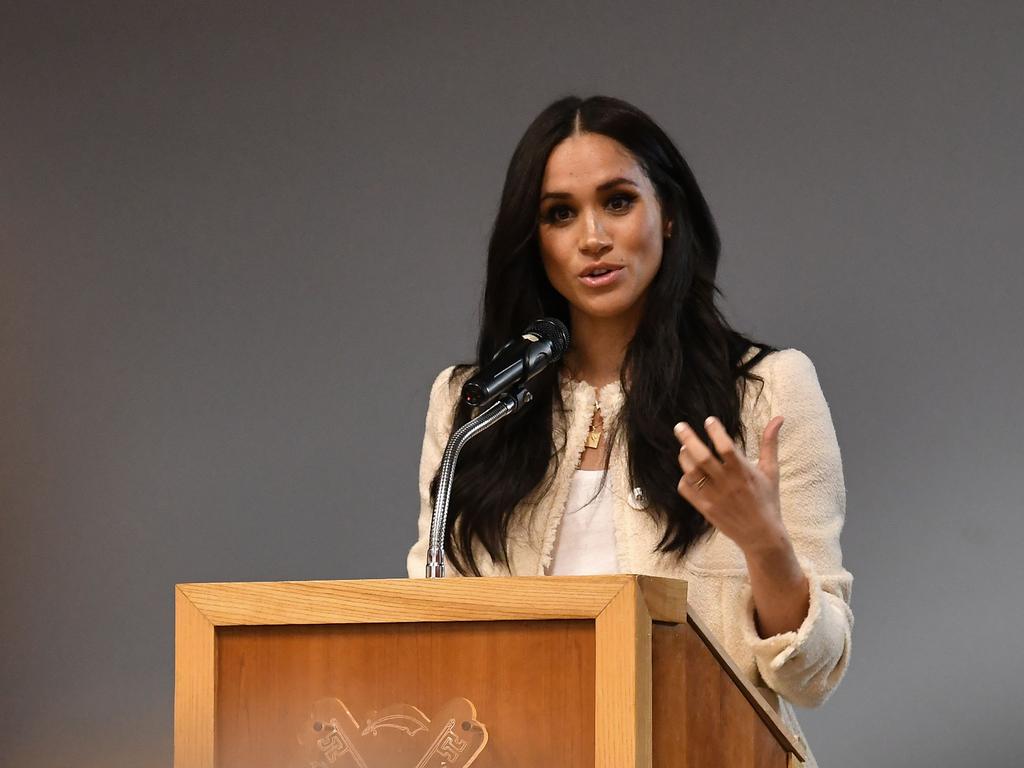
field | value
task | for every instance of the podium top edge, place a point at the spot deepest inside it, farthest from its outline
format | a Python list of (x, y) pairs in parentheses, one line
[(412, 600), (614, 578)]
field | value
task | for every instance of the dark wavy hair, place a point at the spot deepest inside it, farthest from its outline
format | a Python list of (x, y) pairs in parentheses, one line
[(684, 362)]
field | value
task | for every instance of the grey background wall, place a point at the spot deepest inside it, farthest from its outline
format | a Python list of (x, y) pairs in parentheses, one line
[(239, 239)]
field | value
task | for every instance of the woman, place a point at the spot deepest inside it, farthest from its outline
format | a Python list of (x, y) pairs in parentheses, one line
[(659, 447)]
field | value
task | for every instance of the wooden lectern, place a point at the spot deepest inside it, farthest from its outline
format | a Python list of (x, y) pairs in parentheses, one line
[(560, 672)]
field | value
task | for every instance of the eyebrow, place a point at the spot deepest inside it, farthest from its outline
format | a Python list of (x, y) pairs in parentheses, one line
[(601, 188)]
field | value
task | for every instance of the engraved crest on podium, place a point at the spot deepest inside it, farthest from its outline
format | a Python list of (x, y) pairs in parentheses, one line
[(398, 736)]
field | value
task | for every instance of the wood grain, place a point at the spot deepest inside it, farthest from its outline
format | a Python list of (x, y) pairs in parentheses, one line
[(411, 600), (623, 684), (700, 717), (573, 664), (532, 682), (194, 679), (665, 598), (764, 709)]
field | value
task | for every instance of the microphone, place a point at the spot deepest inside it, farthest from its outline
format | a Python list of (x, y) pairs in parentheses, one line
[(542, 343)]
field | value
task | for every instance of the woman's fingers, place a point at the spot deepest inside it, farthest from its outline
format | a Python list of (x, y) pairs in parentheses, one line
[(694, 455), (686, 462), (693, 495), (694, 483), (720, 439), (736, 496), (692, 474)]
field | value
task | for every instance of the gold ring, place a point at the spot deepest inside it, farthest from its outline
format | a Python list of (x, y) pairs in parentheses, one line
[(700, 483)]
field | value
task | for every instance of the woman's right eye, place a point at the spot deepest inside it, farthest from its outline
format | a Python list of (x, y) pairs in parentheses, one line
[(558, 214)]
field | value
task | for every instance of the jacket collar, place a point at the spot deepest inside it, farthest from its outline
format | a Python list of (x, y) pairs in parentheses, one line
[(577, 394)]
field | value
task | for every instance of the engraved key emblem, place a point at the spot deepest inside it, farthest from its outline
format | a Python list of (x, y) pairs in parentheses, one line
[(399, 736)]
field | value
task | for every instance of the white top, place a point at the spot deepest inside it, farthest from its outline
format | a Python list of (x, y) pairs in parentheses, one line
[(585, 545)]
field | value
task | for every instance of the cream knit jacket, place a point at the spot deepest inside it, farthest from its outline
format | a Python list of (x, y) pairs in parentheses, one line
[(801, 667)]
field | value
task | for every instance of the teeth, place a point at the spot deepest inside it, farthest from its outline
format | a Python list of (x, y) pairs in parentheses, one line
[(599, 272)]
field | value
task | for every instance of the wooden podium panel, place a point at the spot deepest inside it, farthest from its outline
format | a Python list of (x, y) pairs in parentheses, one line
[(604, 671), (535, 678), (704, 719)]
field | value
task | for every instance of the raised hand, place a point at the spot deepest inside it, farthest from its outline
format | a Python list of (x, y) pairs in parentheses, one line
[(741, 499), (737, 496)]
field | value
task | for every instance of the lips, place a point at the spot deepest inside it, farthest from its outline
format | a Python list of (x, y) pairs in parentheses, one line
[(600, 275)]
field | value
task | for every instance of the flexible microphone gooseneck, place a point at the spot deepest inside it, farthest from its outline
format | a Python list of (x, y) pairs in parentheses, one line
[(543, 343)]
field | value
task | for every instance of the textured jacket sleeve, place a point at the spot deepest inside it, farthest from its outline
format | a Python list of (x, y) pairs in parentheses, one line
[(435, 435), (805, 666)]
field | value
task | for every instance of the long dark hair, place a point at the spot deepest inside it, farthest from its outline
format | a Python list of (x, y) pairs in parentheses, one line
[(683, 363)]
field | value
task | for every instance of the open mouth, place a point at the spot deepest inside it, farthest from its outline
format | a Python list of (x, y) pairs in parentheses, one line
[(600, 276)]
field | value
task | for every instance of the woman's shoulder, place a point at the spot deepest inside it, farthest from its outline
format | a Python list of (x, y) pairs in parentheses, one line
[(782, 365), (791, 385), (447, 386), (442, 382), (444, 397), (781, 380)]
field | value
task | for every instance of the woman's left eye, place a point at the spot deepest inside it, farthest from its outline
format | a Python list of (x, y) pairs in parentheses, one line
[(620, 203)]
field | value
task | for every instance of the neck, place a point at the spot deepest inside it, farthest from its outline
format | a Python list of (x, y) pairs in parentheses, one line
[(598, 347)]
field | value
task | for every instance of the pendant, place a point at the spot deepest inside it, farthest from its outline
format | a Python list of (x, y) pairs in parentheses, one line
[(594, 436)]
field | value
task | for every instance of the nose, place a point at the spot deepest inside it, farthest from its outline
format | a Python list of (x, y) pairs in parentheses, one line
[(594, 239)]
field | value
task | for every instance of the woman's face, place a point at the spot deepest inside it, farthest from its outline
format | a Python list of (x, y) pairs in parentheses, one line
[(601, 228)]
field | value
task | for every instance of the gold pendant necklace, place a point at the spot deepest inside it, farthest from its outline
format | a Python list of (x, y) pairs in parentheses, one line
[(594, 436)]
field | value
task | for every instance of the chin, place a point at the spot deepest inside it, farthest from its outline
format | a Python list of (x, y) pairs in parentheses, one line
[(605, 310)]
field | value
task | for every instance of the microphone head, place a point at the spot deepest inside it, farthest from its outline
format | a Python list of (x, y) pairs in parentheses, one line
[(552, 330), (518, 361)]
